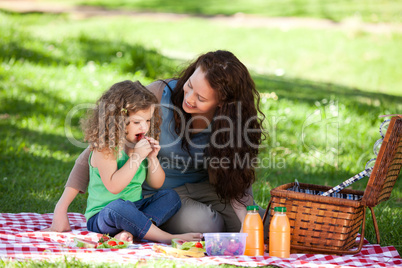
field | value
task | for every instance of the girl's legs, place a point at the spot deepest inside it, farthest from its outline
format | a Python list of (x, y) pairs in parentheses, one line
[(117, 216), (125, 236), (160, 207), (136, 218)]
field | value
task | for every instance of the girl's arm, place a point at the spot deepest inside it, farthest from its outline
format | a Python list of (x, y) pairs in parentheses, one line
[(156, 175), (114, 179), (60, 222)]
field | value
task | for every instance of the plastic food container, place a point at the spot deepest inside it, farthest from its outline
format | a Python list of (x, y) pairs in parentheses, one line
[(225, 244)]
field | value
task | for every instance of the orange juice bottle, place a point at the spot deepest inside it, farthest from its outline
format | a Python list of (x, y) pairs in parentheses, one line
[(279, 234), (252, 225)]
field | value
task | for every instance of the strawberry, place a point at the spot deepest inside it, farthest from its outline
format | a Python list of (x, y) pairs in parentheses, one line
[(140, 136), (198, 245), (104, 238), (112, 243), (97, 245)]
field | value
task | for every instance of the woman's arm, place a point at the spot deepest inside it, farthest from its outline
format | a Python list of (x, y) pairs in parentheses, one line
[(79, 175), (60, 222), (240, 209), (77, 183), (157, 88)]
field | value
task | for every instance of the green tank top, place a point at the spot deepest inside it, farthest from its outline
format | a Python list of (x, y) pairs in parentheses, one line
[(99, 196)]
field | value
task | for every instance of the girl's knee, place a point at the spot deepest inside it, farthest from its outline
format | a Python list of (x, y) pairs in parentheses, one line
[(116, 205), (171, 196)]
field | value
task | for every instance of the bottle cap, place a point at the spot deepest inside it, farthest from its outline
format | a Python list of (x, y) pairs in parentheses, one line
[(252, 208), (280, 209)]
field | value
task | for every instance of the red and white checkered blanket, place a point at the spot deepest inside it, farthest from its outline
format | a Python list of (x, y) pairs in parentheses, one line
[(21, 238)]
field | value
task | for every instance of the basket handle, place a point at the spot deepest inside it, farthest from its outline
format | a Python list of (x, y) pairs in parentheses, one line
[(377, 231)]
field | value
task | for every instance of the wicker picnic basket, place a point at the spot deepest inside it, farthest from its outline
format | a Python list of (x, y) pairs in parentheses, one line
[(323, 224)]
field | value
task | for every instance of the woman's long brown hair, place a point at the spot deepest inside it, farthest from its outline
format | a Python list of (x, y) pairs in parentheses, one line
[(239, 101)]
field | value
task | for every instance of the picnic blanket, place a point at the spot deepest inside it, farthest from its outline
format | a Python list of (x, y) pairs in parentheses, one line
[(21, 238)]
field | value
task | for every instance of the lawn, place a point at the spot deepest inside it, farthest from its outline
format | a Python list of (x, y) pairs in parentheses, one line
[(322, 93), (373, 11)]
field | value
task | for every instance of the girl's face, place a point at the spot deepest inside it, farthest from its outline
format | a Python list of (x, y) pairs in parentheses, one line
[(139, 124), (200, 99)]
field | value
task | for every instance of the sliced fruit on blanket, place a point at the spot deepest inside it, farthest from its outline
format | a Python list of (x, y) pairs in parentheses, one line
[(104, 238), (178, 253), (177, 243), (114, 243), (190, 245), (187, 245), (82, 243)]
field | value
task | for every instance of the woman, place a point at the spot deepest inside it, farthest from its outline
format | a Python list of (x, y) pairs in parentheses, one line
[(210, 135)]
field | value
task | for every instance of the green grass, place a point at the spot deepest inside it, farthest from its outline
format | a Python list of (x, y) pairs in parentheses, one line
[(340, 81), (369, 11)]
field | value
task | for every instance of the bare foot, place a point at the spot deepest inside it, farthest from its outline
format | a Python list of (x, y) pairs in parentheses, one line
[(186, 237), (124, 236)]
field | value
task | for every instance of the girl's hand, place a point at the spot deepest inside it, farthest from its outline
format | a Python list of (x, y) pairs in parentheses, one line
[(155, 147), (142, 149)]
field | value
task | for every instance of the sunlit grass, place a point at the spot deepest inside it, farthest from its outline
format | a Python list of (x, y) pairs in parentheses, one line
[(369, 11)]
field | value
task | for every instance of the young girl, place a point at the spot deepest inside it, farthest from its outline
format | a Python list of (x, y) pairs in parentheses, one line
[(121, 159)]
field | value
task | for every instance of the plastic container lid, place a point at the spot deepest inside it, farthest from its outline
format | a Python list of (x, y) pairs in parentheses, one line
[(280, 209), (253, 208)]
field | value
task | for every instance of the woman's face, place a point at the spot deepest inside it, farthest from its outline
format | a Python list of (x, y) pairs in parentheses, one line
[(200, 99)]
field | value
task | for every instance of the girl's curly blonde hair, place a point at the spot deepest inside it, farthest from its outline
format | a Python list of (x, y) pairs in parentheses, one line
[(105, 126)]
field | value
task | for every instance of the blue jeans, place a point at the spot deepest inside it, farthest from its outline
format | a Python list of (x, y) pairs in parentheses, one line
[(135, 217)]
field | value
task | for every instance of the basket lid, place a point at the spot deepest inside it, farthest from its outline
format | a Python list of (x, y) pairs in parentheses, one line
[(387, 166)]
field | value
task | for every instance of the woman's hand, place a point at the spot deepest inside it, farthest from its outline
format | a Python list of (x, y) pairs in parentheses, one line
[(60, 223)]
